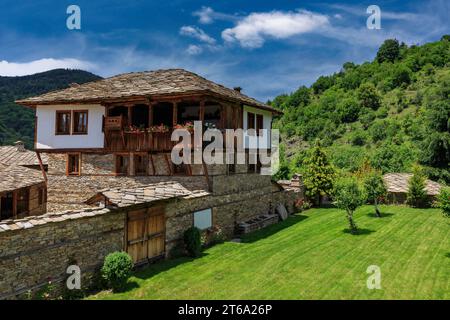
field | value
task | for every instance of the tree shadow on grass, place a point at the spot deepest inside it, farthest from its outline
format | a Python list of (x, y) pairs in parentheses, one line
[(383, 215), (359, 232), (448, 255), (272, 229), (150, 270)]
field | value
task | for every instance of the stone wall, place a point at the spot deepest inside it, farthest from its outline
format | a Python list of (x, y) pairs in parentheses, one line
[(34, 207), (38, 249)]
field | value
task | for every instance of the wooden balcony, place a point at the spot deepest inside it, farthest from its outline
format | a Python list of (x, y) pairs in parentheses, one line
[(125, 141)]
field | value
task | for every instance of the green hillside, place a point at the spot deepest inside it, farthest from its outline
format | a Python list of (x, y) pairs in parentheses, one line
[(393, 112), (17, 122)]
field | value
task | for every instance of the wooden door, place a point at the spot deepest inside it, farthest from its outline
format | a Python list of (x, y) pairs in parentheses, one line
[(146, 234)]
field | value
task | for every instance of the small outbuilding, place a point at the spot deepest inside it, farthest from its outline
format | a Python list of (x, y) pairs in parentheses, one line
[(23, 192), (397, 187)]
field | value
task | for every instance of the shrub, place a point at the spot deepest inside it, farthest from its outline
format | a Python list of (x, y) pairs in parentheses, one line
[(443, 201), (358, 137), (192, 241), (117, 269), (417, 195), (368, 96)]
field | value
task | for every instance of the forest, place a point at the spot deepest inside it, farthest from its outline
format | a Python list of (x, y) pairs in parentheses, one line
[(391, 113)]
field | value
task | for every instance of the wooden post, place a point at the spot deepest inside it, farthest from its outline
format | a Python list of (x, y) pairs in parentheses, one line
[(175, 113), (150, 114), (202, 110)]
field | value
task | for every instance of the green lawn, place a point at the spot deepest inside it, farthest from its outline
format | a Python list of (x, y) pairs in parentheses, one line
[(309, 256)]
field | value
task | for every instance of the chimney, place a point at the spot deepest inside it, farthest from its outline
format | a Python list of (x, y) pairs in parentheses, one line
[(297, 180), (20, 146), (238, 89)]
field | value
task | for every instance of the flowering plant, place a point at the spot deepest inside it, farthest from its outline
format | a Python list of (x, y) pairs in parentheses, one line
[(159, 128), (187, 125)]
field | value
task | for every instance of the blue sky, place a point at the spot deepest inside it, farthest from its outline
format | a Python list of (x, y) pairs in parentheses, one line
[(265, 47)]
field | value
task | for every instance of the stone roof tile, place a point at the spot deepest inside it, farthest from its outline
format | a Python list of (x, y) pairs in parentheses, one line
[(142, 84)]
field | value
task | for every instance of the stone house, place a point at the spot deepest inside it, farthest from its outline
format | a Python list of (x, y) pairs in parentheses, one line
[(23, 191), (397, 187), (108, 145)]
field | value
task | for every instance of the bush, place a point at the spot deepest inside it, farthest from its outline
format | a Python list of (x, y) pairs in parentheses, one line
[(192, 241), (417, 195), (117, 269), (444, 201)]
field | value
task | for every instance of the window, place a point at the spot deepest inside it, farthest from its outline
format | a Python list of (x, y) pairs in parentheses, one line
[(80, 122), (250, 120), (63, 122), (259, 124), (23, 196), (140, 164), (203, 219), (73, 164), (6, 206), (122, 164)]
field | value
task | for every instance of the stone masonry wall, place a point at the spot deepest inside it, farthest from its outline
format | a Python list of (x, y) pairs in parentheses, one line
[(37, 249)]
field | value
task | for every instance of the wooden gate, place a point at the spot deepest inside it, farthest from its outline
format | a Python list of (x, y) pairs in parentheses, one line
[(146, 234)]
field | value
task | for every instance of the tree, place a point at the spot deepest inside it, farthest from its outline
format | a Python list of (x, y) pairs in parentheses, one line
[(368, 96), (402, 75), (389, 51), (348, 110), (319, 174), (417, 195), (347, 196), (375, 189)]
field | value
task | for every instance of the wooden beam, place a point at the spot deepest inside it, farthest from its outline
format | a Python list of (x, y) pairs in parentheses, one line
[(152, 163), (168, 164), (41, 165)]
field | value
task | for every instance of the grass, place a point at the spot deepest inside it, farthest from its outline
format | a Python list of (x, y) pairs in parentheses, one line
[(310, 256)]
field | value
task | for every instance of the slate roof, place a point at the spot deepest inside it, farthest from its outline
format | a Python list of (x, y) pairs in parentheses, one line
[(15, 177), (124, 197), (142, 84), (398, 183), (11, 155), (33, 221)]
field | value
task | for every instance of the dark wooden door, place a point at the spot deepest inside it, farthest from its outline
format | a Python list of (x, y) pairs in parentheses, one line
[(146, 234)]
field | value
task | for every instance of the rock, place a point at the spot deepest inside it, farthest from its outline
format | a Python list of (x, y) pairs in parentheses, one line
[(282, 212)]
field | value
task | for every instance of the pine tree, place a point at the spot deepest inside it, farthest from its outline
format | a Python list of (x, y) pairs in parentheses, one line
[(417, 195), (318, 174)]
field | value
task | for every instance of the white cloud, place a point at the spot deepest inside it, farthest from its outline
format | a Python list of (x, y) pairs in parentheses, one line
[(194, 49), (252, 30), (26, 68), (197, 33), (207, 15)]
